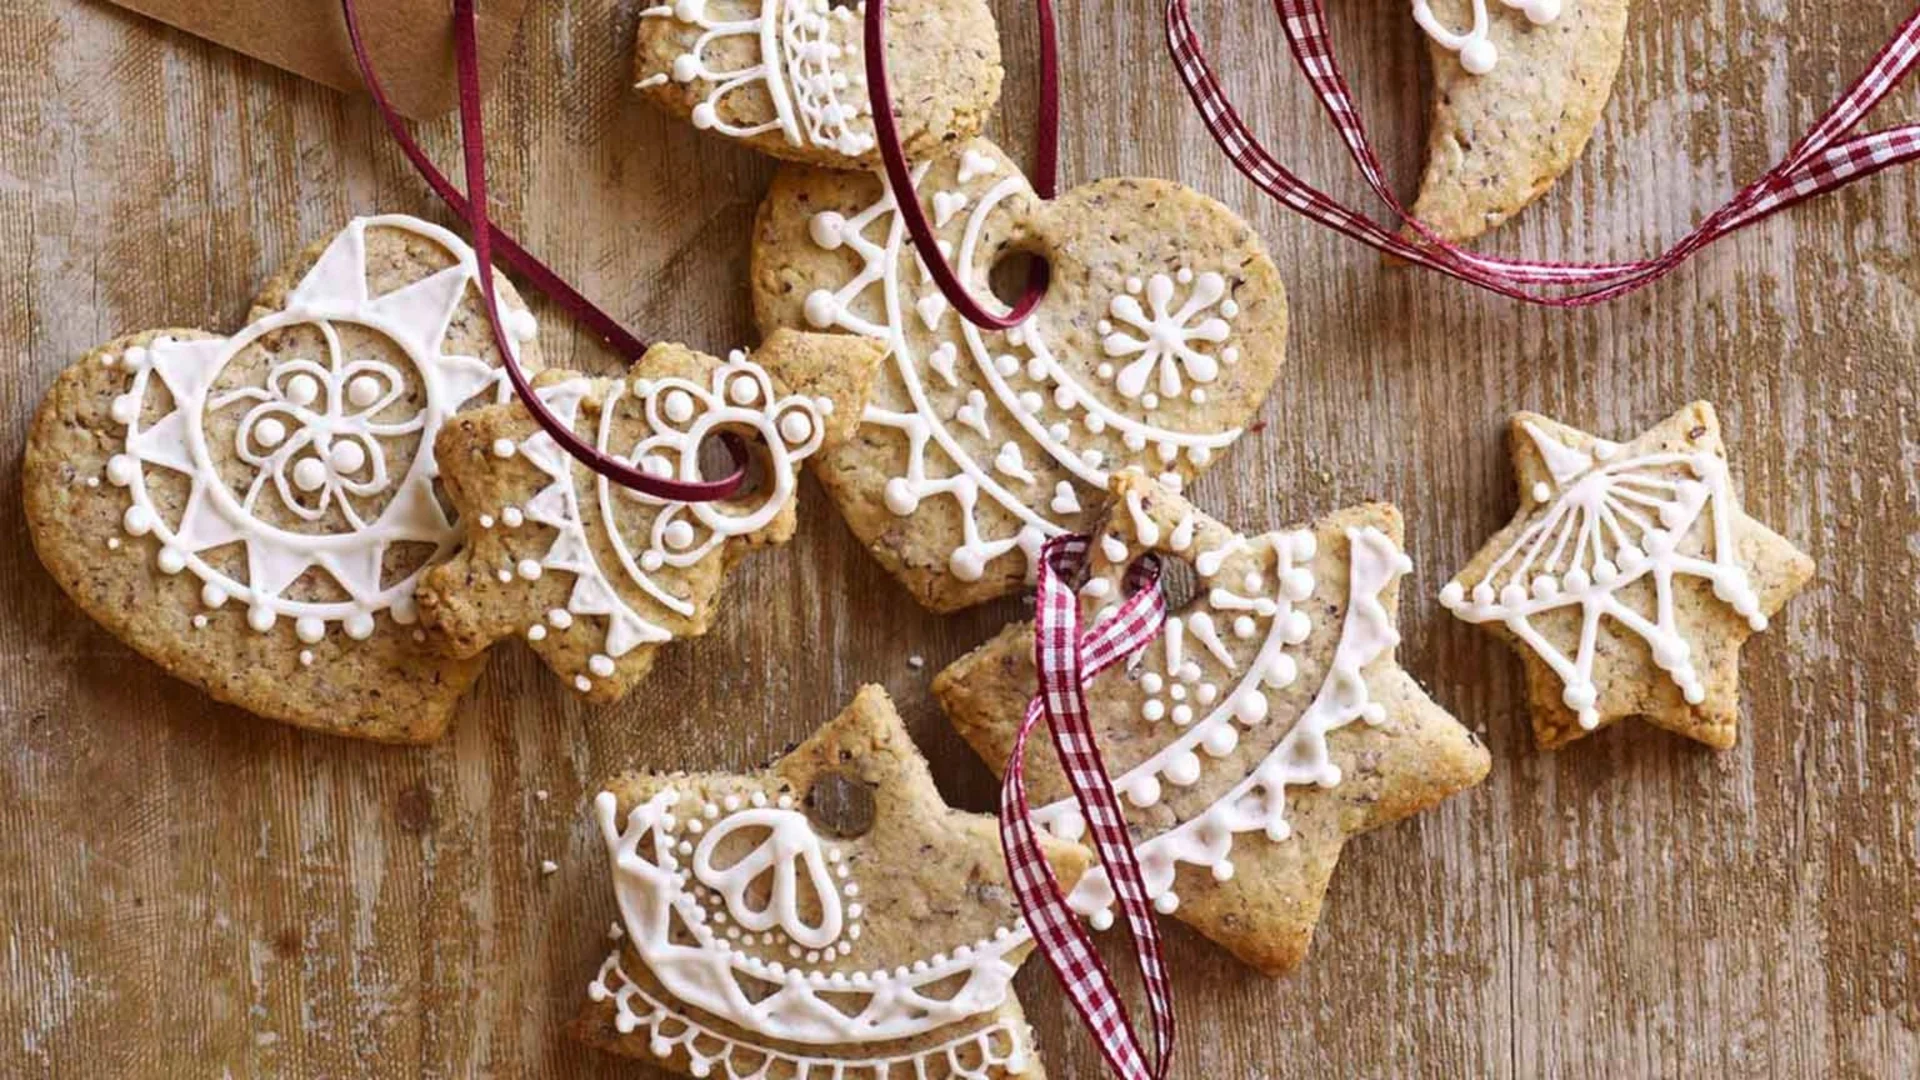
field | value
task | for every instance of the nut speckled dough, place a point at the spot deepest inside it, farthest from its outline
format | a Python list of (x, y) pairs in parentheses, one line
[(389, 687), (932, 881), (1499, 140), (1410, 758), (943, 66), (1628, 681), (573, 591), (1021, 429)]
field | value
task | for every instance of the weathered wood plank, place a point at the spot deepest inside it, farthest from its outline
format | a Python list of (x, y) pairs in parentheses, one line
[(191, 892)]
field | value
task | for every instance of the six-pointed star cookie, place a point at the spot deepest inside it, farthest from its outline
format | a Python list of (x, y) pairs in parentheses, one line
[(827, 917), (1519, 86), (598, 577), (1629, 578), (1267, 725), (254, 511)]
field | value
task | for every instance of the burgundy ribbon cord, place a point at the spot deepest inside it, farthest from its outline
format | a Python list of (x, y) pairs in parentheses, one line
[(899, 173), (488, 240), (1067, 659), (1829, 156)]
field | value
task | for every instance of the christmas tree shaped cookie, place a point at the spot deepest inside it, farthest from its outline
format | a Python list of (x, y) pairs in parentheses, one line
[(1629, 578), (789, 77), (1519, 86), (829, 917), (597, 577), (1162, 328), (255, 512), (1267, 724)]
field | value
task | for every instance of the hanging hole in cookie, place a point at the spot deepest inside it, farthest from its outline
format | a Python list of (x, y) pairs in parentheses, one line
[(1179, 581), (1011, 273), (718, 461), (840, 805)]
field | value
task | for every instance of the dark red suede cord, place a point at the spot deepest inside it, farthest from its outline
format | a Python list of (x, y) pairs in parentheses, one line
[(489, 241), (899, 173)]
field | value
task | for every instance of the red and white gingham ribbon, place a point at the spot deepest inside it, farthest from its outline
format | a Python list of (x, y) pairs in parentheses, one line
[(1067, 659), (1829, 156)]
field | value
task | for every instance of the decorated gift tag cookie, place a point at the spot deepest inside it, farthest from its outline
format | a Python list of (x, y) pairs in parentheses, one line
[(1163, 327), (1519, 86), (1266, 725), (829, 917), (788, 77), (1629, 578), (597, 577), (254, 512)]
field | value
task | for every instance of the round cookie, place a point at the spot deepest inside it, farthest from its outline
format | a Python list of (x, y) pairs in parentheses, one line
[(789, 77), (254, 512), (1161, 331)]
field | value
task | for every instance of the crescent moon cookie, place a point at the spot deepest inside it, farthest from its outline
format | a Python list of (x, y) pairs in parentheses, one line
[(595, 577), (254, 511), (1629, 578), (789, 77), (1519, 86), (1164, 325), (829, 917), (1266, 726)]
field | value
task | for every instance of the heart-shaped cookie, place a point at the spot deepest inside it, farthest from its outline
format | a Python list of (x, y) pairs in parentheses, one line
[(253, 511), (1164, 324), (1519, 86), (789, 77)]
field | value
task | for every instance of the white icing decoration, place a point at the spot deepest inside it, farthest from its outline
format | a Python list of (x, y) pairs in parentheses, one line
[(668, 908), (1014, 382), (1611, 526), (998, 1049), (815, 88), (313, 433), (681, 416), (1474, 45), (1163, 340), (1258, 801)]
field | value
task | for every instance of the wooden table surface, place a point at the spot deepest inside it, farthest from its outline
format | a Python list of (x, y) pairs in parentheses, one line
[(191, 892)]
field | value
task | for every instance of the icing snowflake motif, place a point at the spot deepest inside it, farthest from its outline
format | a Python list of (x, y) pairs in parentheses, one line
[(1607, 526), (681, 416), (1164, 340), (312, 434), (1478, 55), (315, 431), (1216, 673), (796, 65), (996, 421), (717, 938)]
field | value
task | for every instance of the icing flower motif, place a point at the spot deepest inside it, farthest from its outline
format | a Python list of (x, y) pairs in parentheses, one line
[(683, 416), (1478, 55), (313, 432), (1167, 341)]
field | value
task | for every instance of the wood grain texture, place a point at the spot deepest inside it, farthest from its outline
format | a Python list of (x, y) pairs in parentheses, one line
[(190, 892)]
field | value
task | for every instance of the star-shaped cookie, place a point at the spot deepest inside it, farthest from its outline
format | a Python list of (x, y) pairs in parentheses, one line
[(1629, 578), (595, 576), (1267, 724), (828, 917)]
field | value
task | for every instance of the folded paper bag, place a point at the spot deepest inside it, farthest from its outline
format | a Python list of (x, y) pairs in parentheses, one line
[(411, 40)]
